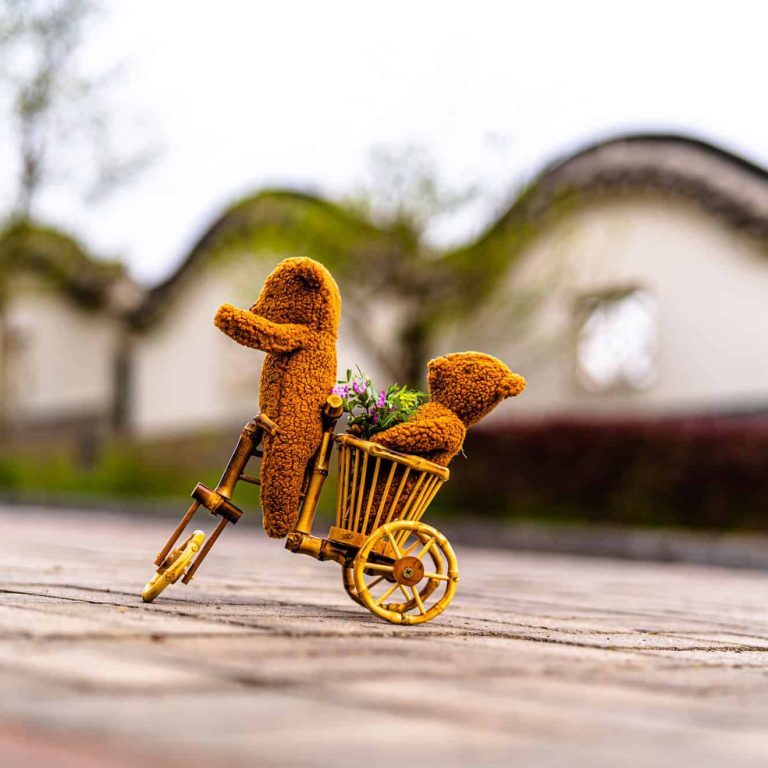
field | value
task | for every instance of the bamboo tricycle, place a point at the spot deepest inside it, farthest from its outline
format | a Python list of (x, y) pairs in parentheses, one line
[(384, 549)]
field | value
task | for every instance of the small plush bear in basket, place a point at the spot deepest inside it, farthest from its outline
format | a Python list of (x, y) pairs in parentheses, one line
[(463, 388)]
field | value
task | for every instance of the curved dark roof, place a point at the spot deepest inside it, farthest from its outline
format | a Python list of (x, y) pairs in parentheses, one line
[(266, 210), (723, 183), (49, 252)]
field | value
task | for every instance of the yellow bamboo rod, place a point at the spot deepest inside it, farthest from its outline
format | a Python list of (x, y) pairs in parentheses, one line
[(382, 598), (371, 494), (400, 487), (384, 495), (405, 514), (393, 543), (340, 488), (428, 493), (412, 496), (175, 535), (418, 498), (428, 499), (376, 450), (346, 454), (354, 464), (349, 471), (417, 598), (360, 493)]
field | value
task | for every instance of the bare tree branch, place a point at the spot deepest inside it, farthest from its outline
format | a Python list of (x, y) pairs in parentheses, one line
[(54, 108)]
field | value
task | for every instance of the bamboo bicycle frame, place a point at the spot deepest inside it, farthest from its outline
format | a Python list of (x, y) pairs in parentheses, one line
[(219, 500), (301, 540)]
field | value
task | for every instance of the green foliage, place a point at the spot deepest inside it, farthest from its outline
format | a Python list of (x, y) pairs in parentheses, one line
[(122, 472), (371, 412), (156, 473)]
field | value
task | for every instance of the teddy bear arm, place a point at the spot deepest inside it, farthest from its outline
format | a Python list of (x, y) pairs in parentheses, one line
[(423, 436), (257, 332)]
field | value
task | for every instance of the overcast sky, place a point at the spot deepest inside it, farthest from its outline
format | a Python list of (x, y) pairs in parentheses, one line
[(243, 94)]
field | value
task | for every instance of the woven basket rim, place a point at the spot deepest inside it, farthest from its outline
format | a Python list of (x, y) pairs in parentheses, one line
[(379, 451)]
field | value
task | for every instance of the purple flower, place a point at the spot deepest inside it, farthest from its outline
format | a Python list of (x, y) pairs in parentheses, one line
[(358, 387), (382, 401), (342, 390)]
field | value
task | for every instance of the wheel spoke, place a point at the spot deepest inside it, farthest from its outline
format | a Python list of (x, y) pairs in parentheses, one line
[(426, 548), (411, 548), (438, 576), (395, 548), (417, 598), (376, 581), (379, 567), (381, 599), (405, 592)]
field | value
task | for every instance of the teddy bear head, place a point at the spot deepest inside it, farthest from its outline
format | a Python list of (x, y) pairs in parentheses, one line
[(301, 291), (471, 384)]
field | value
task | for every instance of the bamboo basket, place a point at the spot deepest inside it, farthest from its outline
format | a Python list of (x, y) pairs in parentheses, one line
[(378, 486)]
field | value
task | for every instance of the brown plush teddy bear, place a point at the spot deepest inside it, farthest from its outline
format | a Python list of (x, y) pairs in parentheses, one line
[(295, 321), (463, 387)]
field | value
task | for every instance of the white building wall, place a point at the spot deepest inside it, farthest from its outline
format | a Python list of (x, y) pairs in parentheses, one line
[(710, 285), (186, 374), (65, 364)]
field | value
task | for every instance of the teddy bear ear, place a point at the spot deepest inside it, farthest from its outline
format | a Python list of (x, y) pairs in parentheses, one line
[(436, 366), (309, 271), (434, 371), (511, 386)]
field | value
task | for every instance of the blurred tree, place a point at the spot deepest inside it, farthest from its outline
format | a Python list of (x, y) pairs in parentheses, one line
[(376, 244), (55, 111), (61, 125)]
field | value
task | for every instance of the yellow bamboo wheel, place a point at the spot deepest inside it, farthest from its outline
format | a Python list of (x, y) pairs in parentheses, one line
[(174, 567), (427, 591), (348, 578)]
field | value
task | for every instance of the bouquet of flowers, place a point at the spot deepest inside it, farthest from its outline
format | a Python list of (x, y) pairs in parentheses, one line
[(371, 411)]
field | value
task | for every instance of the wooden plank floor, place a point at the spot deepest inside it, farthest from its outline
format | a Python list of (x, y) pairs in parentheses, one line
[(541, 660)]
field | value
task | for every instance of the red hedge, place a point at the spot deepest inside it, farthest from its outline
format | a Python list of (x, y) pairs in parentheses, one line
[(709, 473)]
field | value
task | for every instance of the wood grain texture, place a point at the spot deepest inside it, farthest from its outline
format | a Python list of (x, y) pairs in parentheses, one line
[(541, 660)]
